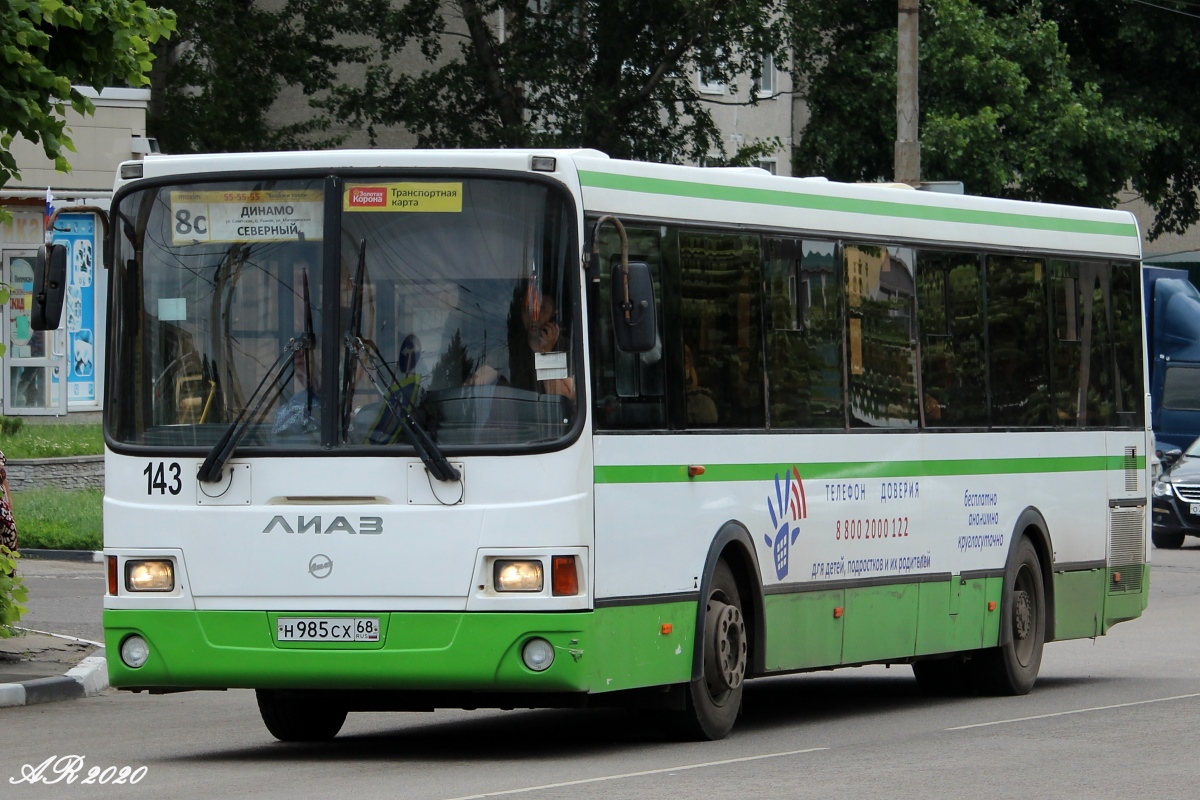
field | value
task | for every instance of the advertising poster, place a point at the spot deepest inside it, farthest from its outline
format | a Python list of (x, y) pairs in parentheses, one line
[(77, 232)]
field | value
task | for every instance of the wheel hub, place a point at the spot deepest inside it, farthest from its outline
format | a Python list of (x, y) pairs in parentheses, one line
[(1022, 615), (725, 655)]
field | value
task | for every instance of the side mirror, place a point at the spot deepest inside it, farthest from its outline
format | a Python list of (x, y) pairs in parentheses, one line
[(634, 314), (1169, 458), (49, 287)]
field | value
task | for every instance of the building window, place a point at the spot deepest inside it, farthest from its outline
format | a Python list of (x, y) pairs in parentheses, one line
[(766, 84)]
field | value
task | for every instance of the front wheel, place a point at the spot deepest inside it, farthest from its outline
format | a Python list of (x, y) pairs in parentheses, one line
[(295, 717), (1167, 540), (1012, 668), (714, 700)]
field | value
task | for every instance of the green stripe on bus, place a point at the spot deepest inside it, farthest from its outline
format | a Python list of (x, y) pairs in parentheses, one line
[(774, 197), (677, 473)]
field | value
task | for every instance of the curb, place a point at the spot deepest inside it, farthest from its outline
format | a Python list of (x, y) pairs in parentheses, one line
[(88, 678), (94, 556)]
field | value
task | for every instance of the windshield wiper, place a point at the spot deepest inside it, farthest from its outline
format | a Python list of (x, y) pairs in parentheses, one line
[(361, 351), (375, 366), (210, 470)]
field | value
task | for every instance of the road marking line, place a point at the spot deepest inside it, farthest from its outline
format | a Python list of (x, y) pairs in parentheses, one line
[(1076, 711), (638, 774)]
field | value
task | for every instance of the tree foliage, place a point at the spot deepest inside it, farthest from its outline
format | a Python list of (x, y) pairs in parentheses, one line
[(50, 45), (617, 75), (1004, 105), (217, 80), (1144, 57), (12, 592)]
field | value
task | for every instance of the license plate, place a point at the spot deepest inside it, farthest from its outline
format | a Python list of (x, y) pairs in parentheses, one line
[(327, 629), (1196, 509)]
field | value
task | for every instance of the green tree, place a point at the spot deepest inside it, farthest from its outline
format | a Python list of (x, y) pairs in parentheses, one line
[(50, 45), (617, 75), (215, 83), (1004, 105), (1145, 58)]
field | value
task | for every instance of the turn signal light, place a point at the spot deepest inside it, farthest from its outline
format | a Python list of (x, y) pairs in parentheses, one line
[(112, 576), (564, 576)]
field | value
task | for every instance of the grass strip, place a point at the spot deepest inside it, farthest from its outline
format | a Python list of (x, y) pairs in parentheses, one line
[(60, 519), (53, 441)]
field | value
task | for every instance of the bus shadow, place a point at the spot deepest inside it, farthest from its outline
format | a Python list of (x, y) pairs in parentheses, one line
[(532, 736)]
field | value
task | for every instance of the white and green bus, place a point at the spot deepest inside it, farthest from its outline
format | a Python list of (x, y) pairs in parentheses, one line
[(403, 430)]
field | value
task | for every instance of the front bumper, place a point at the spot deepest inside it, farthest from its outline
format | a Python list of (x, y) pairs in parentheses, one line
[(1174, 516), (595, 651)]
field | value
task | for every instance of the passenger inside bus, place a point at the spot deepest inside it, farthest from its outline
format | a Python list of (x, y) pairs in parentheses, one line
[(520, 364)]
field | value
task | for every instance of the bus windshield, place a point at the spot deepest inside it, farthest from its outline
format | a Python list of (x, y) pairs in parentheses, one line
[(445, 309)]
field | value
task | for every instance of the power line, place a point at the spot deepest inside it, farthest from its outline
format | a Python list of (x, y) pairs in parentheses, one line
[(1164, 8)]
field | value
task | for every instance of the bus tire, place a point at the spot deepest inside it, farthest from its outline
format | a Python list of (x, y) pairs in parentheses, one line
[(1012, 668), (1167, 540), (292, 717), (714, 700)]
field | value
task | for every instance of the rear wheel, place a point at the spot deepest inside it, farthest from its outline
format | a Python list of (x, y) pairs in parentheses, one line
[(295, 717), (714, 700), (1167, 540), (1012, 668)]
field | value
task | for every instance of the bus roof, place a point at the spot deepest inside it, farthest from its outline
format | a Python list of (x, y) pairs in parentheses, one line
[(740, 198)]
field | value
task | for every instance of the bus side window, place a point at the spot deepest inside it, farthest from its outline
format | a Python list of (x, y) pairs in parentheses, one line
[(881, 345), (804, 333), (950, 320), (628, 387), (721, 318), (1018, 342)]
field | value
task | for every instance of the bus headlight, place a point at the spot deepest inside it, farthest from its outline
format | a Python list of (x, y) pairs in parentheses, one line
[(149, 576), (538, 654), (134, 651), (517, 576)]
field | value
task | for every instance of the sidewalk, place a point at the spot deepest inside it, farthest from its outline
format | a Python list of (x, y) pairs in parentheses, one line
[(43, 668), (38, 666)]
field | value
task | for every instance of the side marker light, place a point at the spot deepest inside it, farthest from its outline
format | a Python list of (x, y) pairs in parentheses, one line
[(838, 612), (991, 605), (666, 629)]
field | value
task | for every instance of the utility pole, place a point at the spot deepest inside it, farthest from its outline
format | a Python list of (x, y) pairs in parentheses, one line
[(908, 144)]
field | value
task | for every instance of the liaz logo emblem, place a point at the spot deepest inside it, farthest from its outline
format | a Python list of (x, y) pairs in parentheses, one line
[(788, 507), (366, 525), (320, 565)]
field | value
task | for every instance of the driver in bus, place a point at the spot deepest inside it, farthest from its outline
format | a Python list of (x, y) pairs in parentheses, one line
[(539, 333)]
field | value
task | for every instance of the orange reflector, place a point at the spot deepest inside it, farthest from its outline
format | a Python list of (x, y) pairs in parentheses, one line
[(837, 612), (112, 575), (666, 628), (1116, 577), (564, 577), (991, 605), (695, 470)]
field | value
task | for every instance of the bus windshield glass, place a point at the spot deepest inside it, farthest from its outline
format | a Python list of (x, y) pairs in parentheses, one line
[(444, 312)]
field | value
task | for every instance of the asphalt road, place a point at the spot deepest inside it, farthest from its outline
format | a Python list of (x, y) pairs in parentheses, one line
[(1110, 718)]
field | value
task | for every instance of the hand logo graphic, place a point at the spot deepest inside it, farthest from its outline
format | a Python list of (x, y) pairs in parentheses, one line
[(787, 507)]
